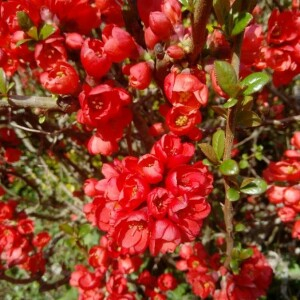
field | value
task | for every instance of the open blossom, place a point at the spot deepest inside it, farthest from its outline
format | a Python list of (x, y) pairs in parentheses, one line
[(185, 89), (61, 79)]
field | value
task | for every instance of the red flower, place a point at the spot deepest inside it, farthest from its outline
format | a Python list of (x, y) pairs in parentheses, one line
[(41, 240), (172, 9), (167, 282), (191, 180), (185, 89), (160, 24), (95, 60), (151, 168), (130, 233), (61, 79), (285, 170), (172, 152), (182, 121), (47, 53), (140, 75), (283, 27), (165, 237), (12, 155), (296, 230), (158, 201), (25, 226), (119, 44)]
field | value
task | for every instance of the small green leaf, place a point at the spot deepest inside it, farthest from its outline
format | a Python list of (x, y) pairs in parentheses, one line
[(33, 33), (234, 265), (3, 85), (247, 119), (229, 167), (240, 22), (243, 164), (24, 20), (84, 229), (239, 227), (207, 162), (233, 194), (21, 42), (10, 86), (66, 228), (218, 143), (219, 111), (226, 78), (46, 31), (230, 103), (253, 186), (221, 8), (42, 119), (254, 82), (246, 253), (209, 152)]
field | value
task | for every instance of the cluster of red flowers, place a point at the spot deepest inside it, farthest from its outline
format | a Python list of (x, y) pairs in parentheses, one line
[(155, 201), (204, 271), (109, 278), (187, 92), (18, 244), (284, 191), (8, 145), (279, 51)]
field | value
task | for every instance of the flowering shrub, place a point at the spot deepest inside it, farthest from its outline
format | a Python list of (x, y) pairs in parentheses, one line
[(144, 147)]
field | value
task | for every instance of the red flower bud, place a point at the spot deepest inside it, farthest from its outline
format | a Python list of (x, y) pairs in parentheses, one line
[(175, 52), (160, 24), (172, 9), (140, 76), (94, 59)]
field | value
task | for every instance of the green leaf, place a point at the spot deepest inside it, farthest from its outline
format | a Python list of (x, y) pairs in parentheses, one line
[(230, 103), (33, 33), (46, 31), (3, 85), (221, 8), (21, 42), (42, 119), (233, 194), (84, 229), (246, 119), (66, 228), (253, 186), (209, 152), (234, 265), (218, 143), (239, 227), (246, 253), (229, 167), (254, 82), (226, 78), (219, 111), (240, 22), (243, 164), (24, 20)]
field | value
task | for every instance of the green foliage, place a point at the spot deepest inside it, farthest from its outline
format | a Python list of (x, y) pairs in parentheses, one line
[(241, 21), (233, 194), (218, 143), (226, 78), (254, 82), (229, 167), (253, 186)]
